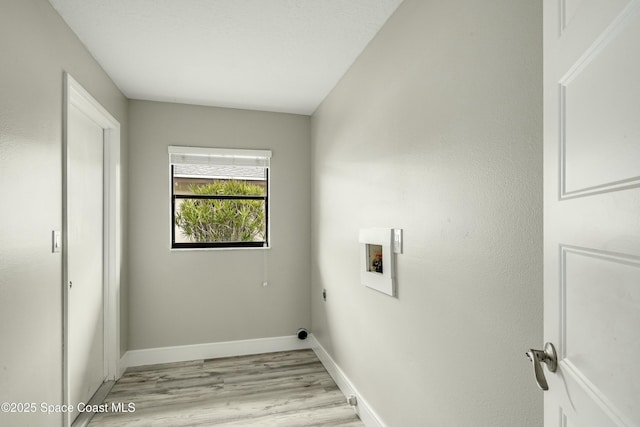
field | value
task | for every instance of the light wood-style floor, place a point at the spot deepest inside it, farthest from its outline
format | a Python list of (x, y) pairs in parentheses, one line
[(275, 389)]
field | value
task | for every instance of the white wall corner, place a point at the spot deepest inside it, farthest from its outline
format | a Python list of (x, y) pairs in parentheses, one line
[(363, 409), (184, 353)]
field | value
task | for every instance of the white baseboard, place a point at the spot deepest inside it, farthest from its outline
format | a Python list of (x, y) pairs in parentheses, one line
[(184, 353), (364, 411)]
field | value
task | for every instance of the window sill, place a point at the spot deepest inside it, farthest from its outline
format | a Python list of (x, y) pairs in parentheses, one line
[(261, 248)]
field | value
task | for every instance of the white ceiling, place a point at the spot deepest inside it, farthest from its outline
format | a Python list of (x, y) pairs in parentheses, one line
[(273, 55)]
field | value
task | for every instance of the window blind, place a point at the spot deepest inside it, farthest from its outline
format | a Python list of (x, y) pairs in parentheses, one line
[(218, 156)]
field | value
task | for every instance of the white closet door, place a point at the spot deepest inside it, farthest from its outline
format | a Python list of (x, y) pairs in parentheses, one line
[(85, 152)]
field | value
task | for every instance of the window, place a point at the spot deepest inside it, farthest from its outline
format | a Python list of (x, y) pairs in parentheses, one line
[(219, 197)]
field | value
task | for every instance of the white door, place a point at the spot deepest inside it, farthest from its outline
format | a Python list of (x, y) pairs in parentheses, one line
[(85, 224), (592, 211)]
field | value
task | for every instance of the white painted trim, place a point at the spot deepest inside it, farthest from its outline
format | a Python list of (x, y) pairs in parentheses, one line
[(113, 251), (76, 95), (363, 409), (183, 353)]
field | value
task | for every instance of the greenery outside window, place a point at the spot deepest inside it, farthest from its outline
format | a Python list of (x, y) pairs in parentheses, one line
[(219, 197)]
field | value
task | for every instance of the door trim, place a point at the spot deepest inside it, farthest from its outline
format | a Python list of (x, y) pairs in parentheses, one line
[(75, 95)]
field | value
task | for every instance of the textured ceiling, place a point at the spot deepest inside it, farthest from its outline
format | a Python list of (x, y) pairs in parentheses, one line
[(273, 55)]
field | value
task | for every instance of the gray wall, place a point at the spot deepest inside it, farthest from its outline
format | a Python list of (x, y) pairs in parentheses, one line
[(436, 129), (36, 47), (194, 297)]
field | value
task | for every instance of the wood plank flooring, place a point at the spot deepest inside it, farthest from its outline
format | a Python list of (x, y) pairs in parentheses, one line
[(274, 389)]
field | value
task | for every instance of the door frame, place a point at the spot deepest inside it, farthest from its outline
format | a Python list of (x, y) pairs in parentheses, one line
[(75, 95)]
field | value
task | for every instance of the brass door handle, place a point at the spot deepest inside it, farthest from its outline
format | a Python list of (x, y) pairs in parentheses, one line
[(547, 356)]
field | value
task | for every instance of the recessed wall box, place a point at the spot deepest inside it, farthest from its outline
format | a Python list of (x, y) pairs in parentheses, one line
[(377, 259)]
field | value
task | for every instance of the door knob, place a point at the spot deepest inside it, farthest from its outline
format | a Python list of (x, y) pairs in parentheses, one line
[(547, 356)]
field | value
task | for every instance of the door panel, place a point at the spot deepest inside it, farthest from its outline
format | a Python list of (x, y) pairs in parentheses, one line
[(600, 94), (603, 286), (85, 144), (592, 211), (586, 18)]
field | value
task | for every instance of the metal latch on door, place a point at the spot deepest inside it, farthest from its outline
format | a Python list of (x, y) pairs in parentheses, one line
[(547, 356)]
